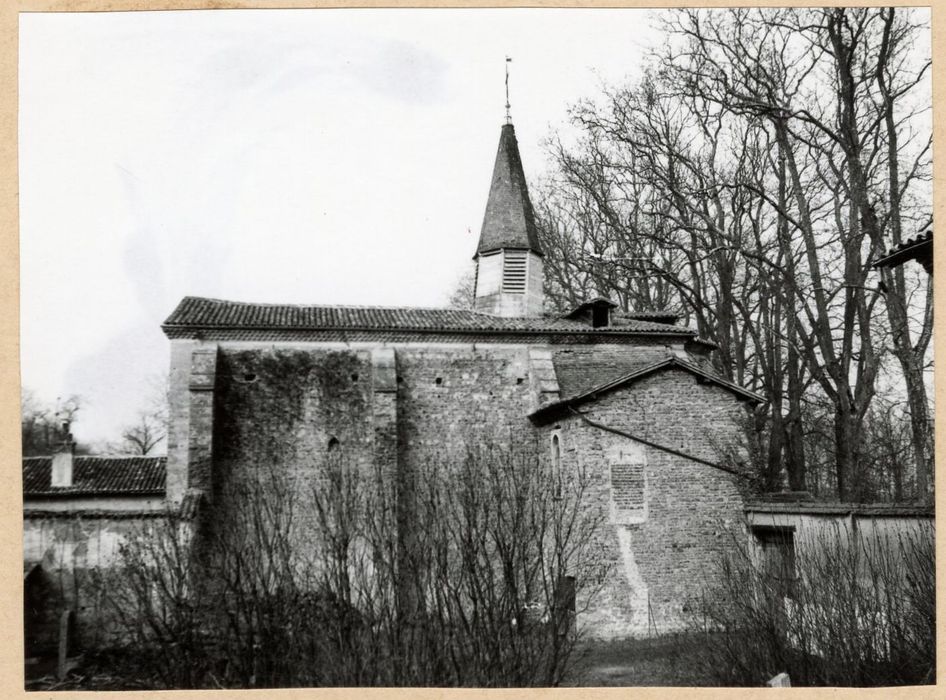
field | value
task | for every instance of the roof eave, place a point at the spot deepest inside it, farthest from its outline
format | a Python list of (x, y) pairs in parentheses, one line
[(495, 249)]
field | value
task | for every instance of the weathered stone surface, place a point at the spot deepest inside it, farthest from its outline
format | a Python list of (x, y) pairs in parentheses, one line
[(75, 556), (660, 563), (448, 397)]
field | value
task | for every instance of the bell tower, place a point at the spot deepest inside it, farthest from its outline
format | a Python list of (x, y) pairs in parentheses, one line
[(509, 267)]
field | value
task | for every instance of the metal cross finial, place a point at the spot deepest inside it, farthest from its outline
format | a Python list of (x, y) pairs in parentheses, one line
[(508, 116)]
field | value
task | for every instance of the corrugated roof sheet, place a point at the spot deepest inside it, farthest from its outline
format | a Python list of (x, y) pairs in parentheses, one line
[(200, 313), (97, 476)]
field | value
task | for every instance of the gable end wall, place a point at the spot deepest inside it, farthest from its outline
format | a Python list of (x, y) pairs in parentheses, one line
[(658, 566)]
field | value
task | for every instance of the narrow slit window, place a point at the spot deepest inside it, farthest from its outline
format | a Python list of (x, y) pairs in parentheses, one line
[(556, 466)]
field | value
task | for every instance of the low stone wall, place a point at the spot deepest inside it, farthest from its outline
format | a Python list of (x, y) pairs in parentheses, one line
[(68, 561), (881, 532)]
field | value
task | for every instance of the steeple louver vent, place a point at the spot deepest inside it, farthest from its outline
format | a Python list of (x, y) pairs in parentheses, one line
[(514, 271)]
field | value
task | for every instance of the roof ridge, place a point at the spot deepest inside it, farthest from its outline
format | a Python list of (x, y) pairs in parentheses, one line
[(380, 307), (126, 456), (100, 457)]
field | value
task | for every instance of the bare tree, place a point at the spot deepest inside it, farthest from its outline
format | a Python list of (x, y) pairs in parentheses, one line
[(742, 182), (463, 295), (43, 426), (147, 434), (849, 608)]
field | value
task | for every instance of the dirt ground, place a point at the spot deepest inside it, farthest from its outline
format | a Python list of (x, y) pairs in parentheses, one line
[(664, 661)]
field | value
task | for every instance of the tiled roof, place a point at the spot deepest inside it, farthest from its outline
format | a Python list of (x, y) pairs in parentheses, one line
[(656, 316), (97, 476), (580, 369), (633, 376), (916, 248), (509, 221), (196, 313)]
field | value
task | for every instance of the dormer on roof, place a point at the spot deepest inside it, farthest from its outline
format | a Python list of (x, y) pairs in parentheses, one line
[(595, 312), (509, 268)]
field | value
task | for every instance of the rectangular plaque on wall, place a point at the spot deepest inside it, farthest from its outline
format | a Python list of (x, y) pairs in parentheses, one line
[(628, 501)]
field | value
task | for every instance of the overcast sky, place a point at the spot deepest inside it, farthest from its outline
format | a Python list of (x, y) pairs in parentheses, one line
[(302, 156)]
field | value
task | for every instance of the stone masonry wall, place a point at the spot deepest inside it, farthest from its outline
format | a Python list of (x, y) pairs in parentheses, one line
[(660, 561), (279, 408), (279, 415), (179, 418), (449, 398)]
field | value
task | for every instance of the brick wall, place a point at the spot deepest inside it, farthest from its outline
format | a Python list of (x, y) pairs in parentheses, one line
[(583, 367)]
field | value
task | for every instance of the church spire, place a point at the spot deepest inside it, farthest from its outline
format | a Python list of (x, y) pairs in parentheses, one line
[(509, 221), (509, 268)]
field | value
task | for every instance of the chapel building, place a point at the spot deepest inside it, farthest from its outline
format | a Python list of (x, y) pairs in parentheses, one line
[(630, 397)]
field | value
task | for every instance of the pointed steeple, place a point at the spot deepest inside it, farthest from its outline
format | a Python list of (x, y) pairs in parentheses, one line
[(509, 270), (509, 221)]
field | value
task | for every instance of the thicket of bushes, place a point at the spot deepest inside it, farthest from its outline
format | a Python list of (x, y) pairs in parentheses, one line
[(859, 611), (331, 584)]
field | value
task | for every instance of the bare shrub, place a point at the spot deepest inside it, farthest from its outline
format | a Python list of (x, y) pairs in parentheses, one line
[(859, 610), (460, 572)]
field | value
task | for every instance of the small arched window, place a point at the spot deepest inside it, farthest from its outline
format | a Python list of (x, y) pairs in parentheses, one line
[(332, 444), (556, 473)]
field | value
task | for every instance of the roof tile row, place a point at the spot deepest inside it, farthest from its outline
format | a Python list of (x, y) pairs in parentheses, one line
[(97, 476), (200, 313)]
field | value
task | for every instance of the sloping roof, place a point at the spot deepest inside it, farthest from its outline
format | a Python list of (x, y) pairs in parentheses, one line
[(580, 370), (668, 363), (196, 313), (919, 247), (97, 476), (656, 316), (509, 221)]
